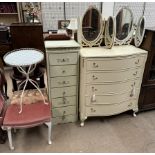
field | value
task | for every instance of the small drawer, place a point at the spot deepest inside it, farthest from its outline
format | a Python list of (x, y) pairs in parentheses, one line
[(63, 81), (113, 76), (107, 110), (115, 64), (63, 59), (65, 91), (69, 110), (63, 70), (64, 101), (111, 98), (64, 119), (112, 88)]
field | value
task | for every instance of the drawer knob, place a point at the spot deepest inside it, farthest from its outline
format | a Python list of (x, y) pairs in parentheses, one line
[(64, 93), (95, 65), (64, 112), (137, 62)]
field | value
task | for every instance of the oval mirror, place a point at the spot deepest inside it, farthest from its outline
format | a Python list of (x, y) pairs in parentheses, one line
[(109, 32), (140, 32), (124, 24), (92, 27)]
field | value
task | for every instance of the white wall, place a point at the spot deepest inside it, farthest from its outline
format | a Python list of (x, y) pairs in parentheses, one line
[(107, 9)]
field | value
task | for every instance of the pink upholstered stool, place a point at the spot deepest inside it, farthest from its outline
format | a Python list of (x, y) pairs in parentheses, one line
[(32, 115)]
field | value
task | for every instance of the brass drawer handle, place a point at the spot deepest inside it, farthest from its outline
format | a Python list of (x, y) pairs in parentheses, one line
[(64, 112), (137, 62), (135, 73), (93, 110), (63, 117), (94, 77), (130, 104), (95, 65), (64, 82), (64, 93)]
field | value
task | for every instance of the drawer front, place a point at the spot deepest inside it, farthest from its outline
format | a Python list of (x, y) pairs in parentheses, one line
[(63, 59), (63, 101), (111, 99), (63, 81), (113, 76), (112, 88), (64, 119), (65, 91), (115, 64), (69, 110), (63, 70), (106, 110)]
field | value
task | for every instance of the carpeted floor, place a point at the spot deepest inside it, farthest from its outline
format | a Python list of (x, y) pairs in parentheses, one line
[(120, 133)]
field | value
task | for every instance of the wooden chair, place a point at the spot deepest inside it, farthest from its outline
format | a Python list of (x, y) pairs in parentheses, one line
[(34, 113)]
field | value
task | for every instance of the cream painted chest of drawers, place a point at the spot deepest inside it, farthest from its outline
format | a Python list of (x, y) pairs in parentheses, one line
[(110, 80), (62, 76)]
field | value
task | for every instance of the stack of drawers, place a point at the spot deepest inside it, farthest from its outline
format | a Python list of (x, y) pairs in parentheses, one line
[(110, 80), (62, 74)]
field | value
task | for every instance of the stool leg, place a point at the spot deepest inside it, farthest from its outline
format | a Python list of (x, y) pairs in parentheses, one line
[(10, 138), (49, 124)]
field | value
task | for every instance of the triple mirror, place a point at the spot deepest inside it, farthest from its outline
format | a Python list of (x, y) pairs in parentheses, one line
[(91, 28)]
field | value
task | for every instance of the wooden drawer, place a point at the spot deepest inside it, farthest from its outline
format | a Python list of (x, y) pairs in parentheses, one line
[(69, 110), (111, 98), (63, 70), (65, 91), (63, 81), (63, 59), (113, 76), (64, 119), (112, 88), (115, 64), (63, 101), (106, 110)]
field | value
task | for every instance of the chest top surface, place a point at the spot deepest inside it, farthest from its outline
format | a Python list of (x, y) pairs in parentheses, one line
[(116, 51), (62, 44)]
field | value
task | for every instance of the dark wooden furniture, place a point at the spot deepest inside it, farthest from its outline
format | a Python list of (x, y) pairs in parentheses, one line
[(27, 35), (147, 94)]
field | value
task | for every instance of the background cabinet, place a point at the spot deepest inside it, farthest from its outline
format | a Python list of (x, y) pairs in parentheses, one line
[(147, 93), (62, 75), (9, 12)]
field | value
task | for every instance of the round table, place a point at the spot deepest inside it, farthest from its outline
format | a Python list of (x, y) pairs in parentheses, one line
[(25, 57)]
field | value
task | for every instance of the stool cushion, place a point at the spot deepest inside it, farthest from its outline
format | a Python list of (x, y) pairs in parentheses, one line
[(32, 115), (30, 96)]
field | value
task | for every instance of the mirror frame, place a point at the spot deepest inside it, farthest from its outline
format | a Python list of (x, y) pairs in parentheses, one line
[(129, 38), (139, 38), (111, 40), (98, 40)]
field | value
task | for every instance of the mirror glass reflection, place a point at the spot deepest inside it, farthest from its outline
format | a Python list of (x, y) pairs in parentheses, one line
[(142, 27), (124, 22), (109, 32), (91, 24)]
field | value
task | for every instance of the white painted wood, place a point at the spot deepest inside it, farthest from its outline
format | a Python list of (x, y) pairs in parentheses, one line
[(110, 80), (63, 59), (62, 75), (63, 70), (63, 81)]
